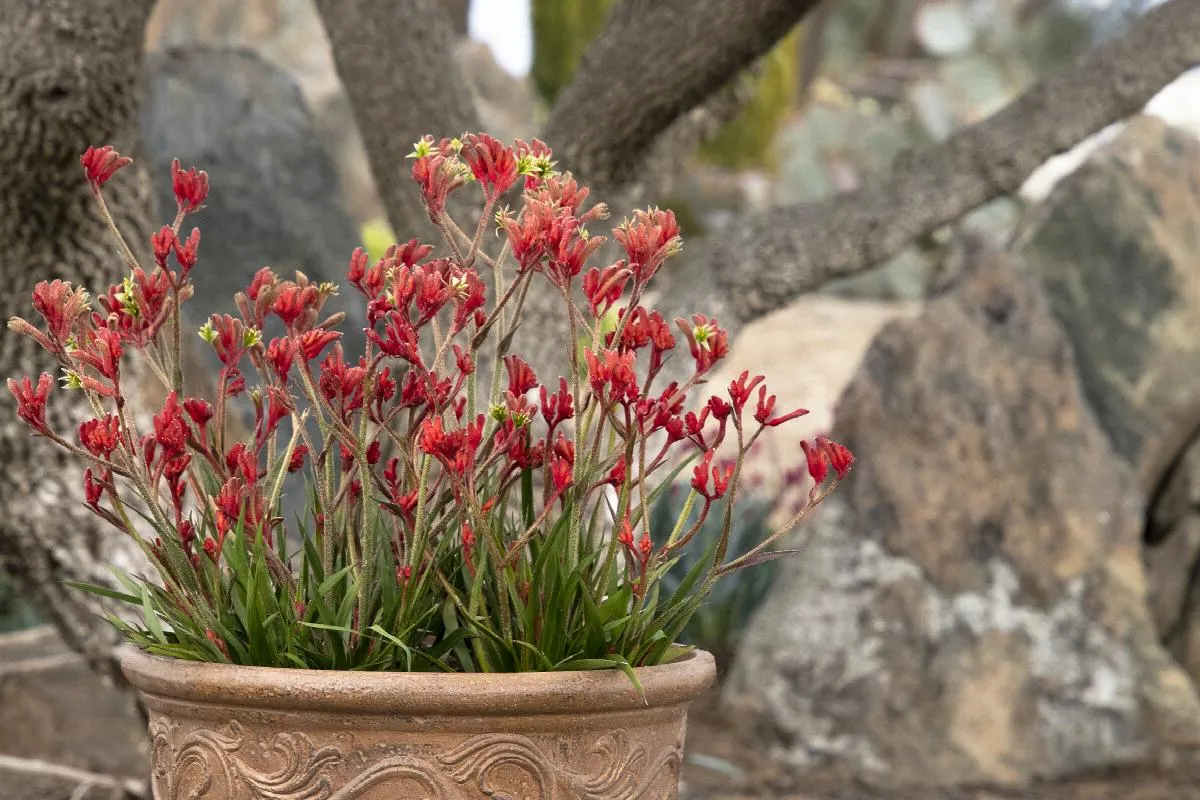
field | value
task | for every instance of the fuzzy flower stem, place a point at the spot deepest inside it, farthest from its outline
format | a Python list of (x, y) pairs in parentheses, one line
[(576, 522), (688, 505), (782, 531), (369, 508), (126, 253), (419, 521)]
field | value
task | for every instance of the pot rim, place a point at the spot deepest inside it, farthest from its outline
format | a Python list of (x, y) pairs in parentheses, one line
[(413, 693)]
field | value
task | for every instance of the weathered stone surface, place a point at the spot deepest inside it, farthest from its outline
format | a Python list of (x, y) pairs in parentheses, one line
[(1115, 244), (1169, 566), (970, 607), (54, 709)]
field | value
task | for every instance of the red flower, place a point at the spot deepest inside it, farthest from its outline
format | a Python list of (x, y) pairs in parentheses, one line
[(535, 158), (162, 243), (31, 402), (187, 533), (100, 163), (616, 476), (455, 449), (468, 538), (374, 451), (191, 187), (264, 281), (431, 291), (766, 405), (356, 273), (100, 437), (200, 411), (839, 457), (740, 390), (560, 473), (399, 339), (311, 343), (721, 475), (625, 535), (562, 190), (278, 407), (170, 431), (520, 375), (492, 164), (93, 489), (297, 305), (297, 461), (463, 360), (185, 252), (614, 371), (648, 240), (603, 286), (645, 546), (818, 466), (719, 408), (61, 306), (700, 474), (709, 342), (469, 295), (564, 448), (410, 252), (280, 353), (101, 350), (437, 176), (557, 407)]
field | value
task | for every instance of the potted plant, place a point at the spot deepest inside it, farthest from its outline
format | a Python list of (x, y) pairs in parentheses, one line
[(470, 603)]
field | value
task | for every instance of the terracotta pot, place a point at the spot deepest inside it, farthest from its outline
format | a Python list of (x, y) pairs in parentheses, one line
[(249, 733)]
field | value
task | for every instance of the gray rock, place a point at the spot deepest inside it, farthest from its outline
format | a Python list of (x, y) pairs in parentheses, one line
[(275, 198), (970, 607), (1116, 245)]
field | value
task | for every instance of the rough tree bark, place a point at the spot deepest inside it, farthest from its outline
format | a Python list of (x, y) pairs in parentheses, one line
[(70, 76), (459, 12), (396, 61), (654, 61), (786, 252)]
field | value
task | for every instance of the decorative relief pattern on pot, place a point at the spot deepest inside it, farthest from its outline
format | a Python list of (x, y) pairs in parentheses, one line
[(234, 765)]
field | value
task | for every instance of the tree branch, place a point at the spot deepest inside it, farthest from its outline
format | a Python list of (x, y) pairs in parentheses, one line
[(396, 60), (786, 252), (654, 61)]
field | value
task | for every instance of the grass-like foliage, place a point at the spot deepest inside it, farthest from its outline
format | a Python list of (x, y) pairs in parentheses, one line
[(455, 520)]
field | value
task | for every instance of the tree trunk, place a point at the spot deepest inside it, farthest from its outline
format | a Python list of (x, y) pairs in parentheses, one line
[(459, 14), (396, 60), (70, 77), (654, 61)]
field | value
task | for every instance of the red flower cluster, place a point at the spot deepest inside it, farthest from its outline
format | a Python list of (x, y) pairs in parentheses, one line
[(406, 443)]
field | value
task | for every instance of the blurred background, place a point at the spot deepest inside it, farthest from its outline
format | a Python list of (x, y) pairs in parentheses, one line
[(1001, 602)]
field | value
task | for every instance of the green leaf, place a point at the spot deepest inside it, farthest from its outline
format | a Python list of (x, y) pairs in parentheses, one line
[(104, 591), (151, 616)]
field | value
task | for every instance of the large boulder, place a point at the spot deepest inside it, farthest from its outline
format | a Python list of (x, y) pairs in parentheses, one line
[(276, 198), (1117, 246), (971, 606)]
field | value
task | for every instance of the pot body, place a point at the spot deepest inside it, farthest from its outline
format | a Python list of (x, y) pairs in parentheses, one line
[(224, 732)]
